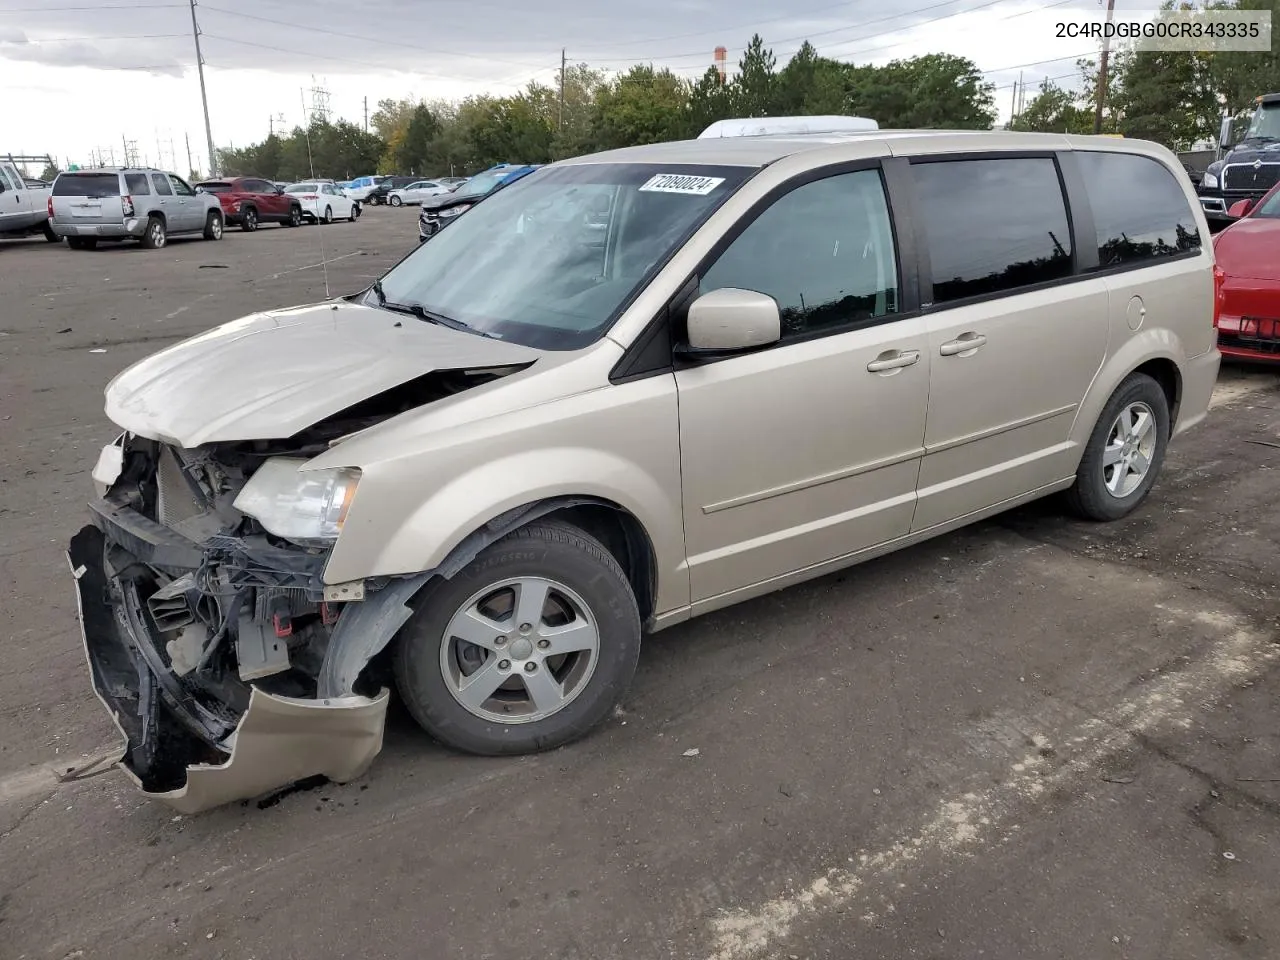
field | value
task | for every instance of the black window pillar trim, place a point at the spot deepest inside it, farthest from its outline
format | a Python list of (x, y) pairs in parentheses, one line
[(1084, 233), (915, 279)]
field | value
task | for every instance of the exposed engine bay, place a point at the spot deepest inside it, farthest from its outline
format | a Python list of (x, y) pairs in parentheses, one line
[(202, 626)]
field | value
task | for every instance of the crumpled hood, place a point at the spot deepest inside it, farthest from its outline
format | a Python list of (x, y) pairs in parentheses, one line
[(269, 375), (1250, 248)]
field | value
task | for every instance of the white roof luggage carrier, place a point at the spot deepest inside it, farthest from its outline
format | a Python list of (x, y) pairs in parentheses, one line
[(775, 126)]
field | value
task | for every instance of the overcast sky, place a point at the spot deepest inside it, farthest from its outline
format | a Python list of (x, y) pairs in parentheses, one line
[(76, 75)]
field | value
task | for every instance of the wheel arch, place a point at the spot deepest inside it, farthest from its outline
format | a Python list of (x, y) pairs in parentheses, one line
[(370, 626), (1158, 353)]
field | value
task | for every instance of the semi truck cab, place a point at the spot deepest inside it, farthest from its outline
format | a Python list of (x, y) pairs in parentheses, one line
[(1249, 167)]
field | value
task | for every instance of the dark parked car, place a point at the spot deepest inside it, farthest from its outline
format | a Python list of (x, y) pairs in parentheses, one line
[(249, 201), (438, 212), (378, 194)]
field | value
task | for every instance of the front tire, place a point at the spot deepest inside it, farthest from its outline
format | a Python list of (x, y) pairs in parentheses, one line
[(328, 215), (49, 235), (213, 226), (395, 201), (355, 213), (156, 236), (1125, 451), (528, 648)]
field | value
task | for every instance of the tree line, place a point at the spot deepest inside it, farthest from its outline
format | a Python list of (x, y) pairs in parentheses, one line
[(1172, 97), (643, 105)]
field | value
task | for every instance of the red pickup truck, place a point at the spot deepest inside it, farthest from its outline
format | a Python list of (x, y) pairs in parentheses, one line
[(249, 201)]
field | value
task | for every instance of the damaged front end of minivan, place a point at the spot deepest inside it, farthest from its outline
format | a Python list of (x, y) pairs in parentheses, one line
[(228, 662), (213, 642)]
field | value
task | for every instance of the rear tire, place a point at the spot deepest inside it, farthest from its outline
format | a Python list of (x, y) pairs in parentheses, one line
[(534, 699), (295, 217), (213, 226), (156, 236), (248, 219), (1125, 452)]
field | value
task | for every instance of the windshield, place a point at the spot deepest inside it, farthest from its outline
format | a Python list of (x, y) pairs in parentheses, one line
[(552, 259), (1265, 124), (1270, 206), (97, 185), (302, 188), (482, 183)]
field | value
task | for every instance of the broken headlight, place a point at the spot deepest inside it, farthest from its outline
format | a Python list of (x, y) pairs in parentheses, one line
[(306, 507)]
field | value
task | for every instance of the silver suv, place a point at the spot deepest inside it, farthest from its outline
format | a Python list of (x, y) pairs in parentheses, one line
[(122, 203), (624, 391)]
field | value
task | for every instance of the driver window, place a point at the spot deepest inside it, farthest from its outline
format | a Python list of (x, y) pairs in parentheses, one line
[(180, 187), (824, 252)]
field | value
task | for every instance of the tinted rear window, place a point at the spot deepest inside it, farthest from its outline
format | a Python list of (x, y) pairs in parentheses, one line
[(137, 184), (993, 225), (1139, 210), (87, 185), (215, 186)]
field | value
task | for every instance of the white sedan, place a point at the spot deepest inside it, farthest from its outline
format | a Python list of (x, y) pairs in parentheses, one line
[(323, 202), (416, 192)]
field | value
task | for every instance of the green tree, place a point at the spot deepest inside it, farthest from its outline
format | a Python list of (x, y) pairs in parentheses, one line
[(755, 88), (414, 152), (710, 99), (1166, 96), (508, 129), (1054, 110), (643, 105), (49, 172), (937, 90), (810, 84), (1239, 76)]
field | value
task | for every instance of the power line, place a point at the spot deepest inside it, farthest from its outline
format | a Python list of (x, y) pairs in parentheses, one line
[(134, 36), (859, 26), (382, 41), (95, 8)]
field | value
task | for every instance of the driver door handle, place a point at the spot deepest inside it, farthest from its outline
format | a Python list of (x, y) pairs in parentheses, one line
[(892, 360), (965, 343)]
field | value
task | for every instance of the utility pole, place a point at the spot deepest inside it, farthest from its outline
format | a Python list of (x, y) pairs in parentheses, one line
[(1013, 105), (1102, 70), (204, 96), (562, 66), (190, 166), (366, 114)]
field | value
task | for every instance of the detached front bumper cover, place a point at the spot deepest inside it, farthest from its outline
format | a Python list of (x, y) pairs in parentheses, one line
[(179, 752)]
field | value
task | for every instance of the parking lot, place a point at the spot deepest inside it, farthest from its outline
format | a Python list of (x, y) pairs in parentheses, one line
[(1032, 738)]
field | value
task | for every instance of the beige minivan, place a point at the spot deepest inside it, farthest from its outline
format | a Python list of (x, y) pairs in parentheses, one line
[(628, 389)]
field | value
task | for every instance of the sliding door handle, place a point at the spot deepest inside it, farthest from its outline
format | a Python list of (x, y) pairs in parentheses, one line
[(893, 360), (962, 345)]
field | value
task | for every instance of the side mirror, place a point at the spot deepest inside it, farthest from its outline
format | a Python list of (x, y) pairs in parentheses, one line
[(1240, 208), (1226, 140), (730, 319)]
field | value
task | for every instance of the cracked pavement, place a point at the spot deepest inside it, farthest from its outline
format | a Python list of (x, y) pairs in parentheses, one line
[(1032, 738)]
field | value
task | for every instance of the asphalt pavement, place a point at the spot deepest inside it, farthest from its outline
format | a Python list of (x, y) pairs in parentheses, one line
[(1033, 738)]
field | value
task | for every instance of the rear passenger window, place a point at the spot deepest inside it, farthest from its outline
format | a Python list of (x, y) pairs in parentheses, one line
[(137, 184), (161, 183), (1139, 209), (993, 225), (824, 252)]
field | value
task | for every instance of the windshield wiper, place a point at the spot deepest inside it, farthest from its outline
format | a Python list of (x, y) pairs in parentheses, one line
[(423, 314)]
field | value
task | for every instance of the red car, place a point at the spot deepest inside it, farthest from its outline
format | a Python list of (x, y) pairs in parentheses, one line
[(1247, 277), (249, 201)]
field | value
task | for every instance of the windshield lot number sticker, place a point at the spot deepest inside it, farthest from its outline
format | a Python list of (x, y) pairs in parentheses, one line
[(679, 183)]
